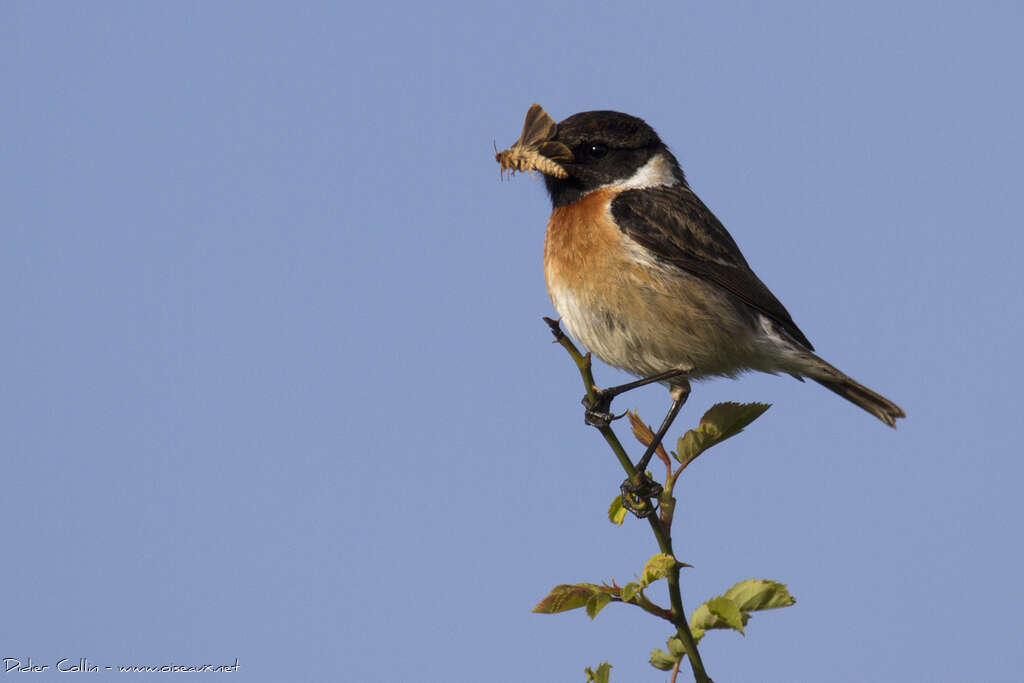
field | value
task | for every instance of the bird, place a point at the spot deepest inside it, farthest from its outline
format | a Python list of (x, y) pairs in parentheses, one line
[(645, 276)]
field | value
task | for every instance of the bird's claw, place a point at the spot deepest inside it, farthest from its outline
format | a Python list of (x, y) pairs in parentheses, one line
[(598, 411), (599, 419), (636, 496)]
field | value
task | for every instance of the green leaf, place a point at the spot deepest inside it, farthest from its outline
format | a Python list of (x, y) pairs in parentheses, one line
[(747, 596), (601, 675), (565, 597), (703, 619), (616, 512), (690, 445), (730, 418), (676, 647), (696, 631), (726, 609), (630, 591), (753, 595), (596, 603), (661, 660), (658, 567), (722, 421)]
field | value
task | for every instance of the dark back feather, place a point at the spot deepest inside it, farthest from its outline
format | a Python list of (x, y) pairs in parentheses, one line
[(676, 226)]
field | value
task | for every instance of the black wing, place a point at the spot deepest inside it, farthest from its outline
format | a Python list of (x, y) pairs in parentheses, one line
[(673, 223)]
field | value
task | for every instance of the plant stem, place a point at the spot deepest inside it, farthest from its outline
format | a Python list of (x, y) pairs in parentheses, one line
[(661, 531), (675, 671)]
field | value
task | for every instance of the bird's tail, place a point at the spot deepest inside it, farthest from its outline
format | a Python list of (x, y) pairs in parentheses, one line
[(834, 380)]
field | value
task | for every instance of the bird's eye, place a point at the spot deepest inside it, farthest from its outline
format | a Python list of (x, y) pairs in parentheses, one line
[(595, 150)]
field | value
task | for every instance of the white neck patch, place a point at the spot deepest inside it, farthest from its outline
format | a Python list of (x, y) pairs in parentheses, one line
[(657, 171)]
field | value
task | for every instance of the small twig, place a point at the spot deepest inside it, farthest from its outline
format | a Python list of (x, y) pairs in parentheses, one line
[(660, 528), (675, 475), (583, 365), (675, 670), (646, 605)]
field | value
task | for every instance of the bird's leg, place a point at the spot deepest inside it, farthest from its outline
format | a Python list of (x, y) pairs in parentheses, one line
[(635, 492), (598, 412)]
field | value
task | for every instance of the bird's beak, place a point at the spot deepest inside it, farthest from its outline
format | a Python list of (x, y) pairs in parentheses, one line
[(536, 149)]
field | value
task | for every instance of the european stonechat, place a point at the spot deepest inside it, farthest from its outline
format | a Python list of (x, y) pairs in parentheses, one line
[(644, 275)]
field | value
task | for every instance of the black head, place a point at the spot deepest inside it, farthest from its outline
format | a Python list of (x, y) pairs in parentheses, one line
[(608, 148), (590, 150)]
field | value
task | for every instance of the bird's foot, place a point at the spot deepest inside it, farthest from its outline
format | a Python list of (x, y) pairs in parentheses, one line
[(598, 412), (636, 496)]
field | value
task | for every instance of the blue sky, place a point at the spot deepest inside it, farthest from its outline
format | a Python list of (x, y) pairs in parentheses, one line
[(277, 388)]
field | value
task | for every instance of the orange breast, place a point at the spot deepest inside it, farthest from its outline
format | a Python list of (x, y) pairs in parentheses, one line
[(586, 253), (581, 243), (610, 293)]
